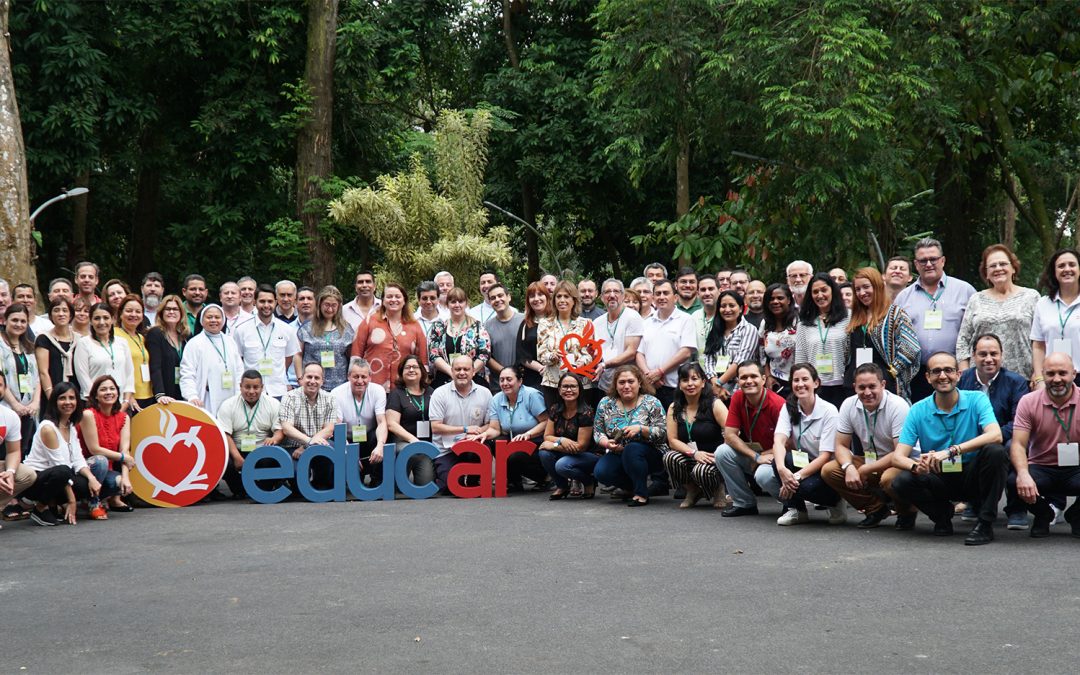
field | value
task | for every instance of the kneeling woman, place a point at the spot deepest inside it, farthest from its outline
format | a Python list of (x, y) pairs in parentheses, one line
[(630, 429), (517, 413), (804, 442), (105, 434), (567, 452), (695, 428), (62, 474)]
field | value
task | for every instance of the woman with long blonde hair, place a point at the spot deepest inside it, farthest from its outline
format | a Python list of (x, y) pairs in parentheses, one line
[(881, 333)]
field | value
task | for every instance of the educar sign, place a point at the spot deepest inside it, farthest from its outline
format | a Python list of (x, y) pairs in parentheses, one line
[(277, 464)]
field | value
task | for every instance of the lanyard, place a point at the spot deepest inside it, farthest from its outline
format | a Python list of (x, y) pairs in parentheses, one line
[(569, 327), (112, 355), (871, 428), (613, 328), (359, 408), (753, 424), (689, 430), (179, 347), (1065, 427), (933, 298), (22, 366), (265, 343), (254, 413), (418, 405), (1063, 320), (139, 341), (824, 336), (223, 352), (802, 430)]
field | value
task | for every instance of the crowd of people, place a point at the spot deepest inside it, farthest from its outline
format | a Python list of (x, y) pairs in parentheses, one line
[(895, 392)]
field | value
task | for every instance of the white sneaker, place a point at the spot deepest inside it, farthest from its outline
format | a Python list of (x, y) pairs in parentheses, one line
[(1059, 515), (837, 515), (793, 517)]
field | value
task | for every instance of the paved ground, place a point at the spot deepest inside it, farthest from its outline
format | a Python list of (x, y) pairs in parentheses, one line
[(526, 585)]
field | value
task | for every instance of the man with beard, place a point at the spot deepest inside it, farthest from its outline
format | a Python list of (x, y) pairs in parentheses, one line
[(586, 289), (799, 273), (755, 303), (152, 290), (738, 281)]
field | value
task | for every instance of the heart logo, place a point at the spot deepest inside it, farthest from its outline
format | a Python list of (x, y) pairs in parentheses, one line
[(582, 353), (178, 460)]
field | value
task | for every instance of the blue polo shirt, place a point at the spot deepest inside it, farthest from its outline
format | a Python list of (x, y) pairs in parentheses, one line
[(524, 416), (935, 429)]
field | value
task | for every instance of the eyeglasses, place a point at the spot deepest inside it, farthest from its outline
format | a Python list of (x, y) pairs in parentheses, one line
[(947, 371), (568, 387), (997, 265), (928, 262)]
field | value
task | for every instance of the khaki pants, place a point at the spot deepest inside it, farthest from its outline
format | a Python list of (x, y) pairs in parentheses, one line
[(867, 499), (24, 478)]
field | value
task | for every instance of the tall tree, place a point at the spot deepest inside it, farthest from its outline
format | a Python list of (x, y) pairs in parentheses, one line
[(16, 243)]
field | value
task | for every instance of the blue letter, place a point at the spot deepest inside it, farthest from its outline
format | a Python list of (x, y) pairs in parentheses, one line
[(281, 469), (303, 467), (401, 470)]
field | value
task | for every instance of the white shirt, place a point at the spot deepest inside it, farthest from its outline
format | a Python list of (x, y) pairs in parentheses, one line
[(41, 325), (202, 370), (702, 325), (628, 324), (355, 316), (886, 421), (92, 359), (270, 348), (68, 453), (233, 415), (1046, 328), (365, 411), (816, 432), (231, 325), (450, 407), (663, 337), (10, 427)]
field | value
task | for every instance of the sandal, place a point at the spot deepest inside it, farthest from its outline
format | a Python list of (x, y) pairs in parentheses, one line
[(14, 512), (590, 492), (575, 489), (121, 508), (557, 495)]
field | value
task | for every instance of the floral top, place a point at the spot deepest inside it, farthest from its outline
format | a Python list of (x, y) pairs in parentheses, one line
[(549, 333), (778, 352), (1009, 319), (335, 341), (648, 413), (474, 342)]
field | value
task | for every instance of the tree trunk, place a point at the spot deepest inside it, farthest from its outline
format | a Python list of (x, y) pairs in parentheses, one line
[(144, 222), (1012, 161), (682, 180), (16, 243), (532, 244), (1008, 234), (313, 158), (79, 208)]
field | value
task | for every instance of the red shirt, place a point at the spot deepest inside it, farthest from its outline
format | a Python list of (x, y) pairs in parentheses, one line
[(108, 430), (741, 416)]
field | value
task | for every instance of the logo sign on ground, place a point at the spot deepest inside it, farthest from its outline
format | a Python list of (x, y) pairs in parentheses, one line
[(180, 454)]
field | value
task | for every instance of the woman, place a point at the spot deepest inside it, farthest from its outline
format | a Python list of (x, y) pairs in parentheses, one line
[(804, 442), (822, 339), (630, 429), (327, 339), (1004, 309), (130, 322), (408, 406), (390, 334), (54, 349), (568, 453), (695, 429), (885, 330), (458, 334), (778, 331), (105, 435), (165, 344), (517, 413), (565, 320), (210, 369), (537, 307), (103, 354), (113, 293), (1053, 329), (23, 392), (63, 476), (728, 343), (80, 317), (632, 300)]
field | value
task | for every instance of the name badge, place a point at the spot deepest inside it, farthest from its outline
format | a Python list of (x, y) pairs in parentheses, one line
[(869, 456), (266, 366), (423, 429), (863, 355), (247, 442), (359, 433), (823, 363), (25, 385), (326, 359), (144, 371), (692, 445), (933, 319), (226, 380), (800, 458), (722, 363), (1068, 454), (176, 375), (1062, 345), (952, 465)]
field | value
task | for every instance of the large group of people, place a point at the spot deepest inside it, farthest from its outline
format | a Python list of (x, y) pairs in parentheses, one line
[(895, 392)]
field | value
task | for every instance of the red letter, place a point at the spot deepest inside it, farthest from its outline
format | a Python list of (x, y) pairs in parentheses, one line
[(463, 468), (503, 450)]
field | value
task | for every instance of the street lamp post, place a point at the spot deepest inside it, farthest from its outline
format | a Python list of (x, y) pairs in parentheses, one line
[(542, 238), (64, 194)]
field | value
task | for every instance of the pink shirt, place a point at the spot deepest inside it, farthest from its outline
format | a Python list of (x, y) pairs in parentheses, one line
[(1036, 414)]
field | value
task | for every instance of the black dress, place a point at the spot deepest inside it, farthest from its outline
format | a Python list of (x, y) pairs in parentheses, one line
[(705, 431), (164, 364), (526, 352)]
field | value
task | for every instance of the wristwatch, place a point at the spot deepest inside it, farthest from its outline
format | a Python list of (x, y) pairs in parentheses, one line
[(846, 465), (558, 442)]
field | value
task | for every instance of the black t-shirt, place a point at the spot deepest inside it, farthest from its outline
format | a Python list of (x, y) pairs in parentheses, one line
[(56, 359), (568, 428), (411, 408)]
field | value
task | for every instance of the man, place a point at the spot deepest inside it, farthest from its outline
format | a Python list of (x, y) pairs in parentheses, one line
[(798, 278), (26, 296), (668, 341), (194, 292), (620, 327), (503, 329), (962, 456), (748, 437), (360, 308), (458, 412), (935, 303), (708, 289), (897, 275), (550, 281), (686, 285), (86, 278), (285, 291), (363, 409), (482, 311), (723, 279), (14, 477), (308, 415), (838, 275), (755, 303), (867, 432), (654, 272), (1044, 446), (643, 287), (586, 289), (1005, 389), (428, 310), (268, 345), (248, 287), (738, 281), (444, 281), (152, 290), (61, 288), (305, 304), (248, 420), (229, 295)]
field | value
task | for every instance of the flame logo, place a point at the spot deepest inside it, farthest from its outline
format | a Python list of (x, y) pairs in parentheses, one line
[(574, 349), (170, 440)]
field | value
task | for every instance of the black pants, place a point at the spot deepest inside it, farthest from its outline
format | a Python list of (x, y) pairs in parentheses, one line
[(1054, 482), (980, 483), (522, 465), (1013, 503), (811, 489), (50, 484)]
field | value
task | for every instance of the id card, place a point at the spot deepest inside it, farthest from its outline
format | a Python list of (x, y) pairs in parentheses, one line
[(423, 429), (226, 380), (25, 385), (863, 355), (144, 372), (933, 319), (266, 367), (1068, 454), (359, 433), (326, 359), (176, 375), (247, 442), (722, 364), (1063, 345), (800, 458), (869, 457), (823, 363), (952, 465)]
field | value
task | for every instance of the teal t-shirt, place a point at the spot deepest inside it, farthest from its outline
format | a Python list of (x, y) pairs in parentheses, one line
[(934, 429)]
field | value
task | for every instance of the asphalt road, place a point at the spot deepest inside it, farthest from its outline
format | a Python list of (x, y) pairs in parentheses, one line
[(523, 585)]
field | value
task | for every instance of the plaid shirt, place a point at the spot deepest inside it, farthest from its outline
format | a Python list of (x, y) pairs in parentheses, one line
[(308, 418)]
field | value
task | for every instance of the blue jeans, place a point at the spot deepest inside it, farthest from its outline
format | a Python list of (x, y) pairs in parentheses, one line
[(563, 467), (630, 468), (109, 479)]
